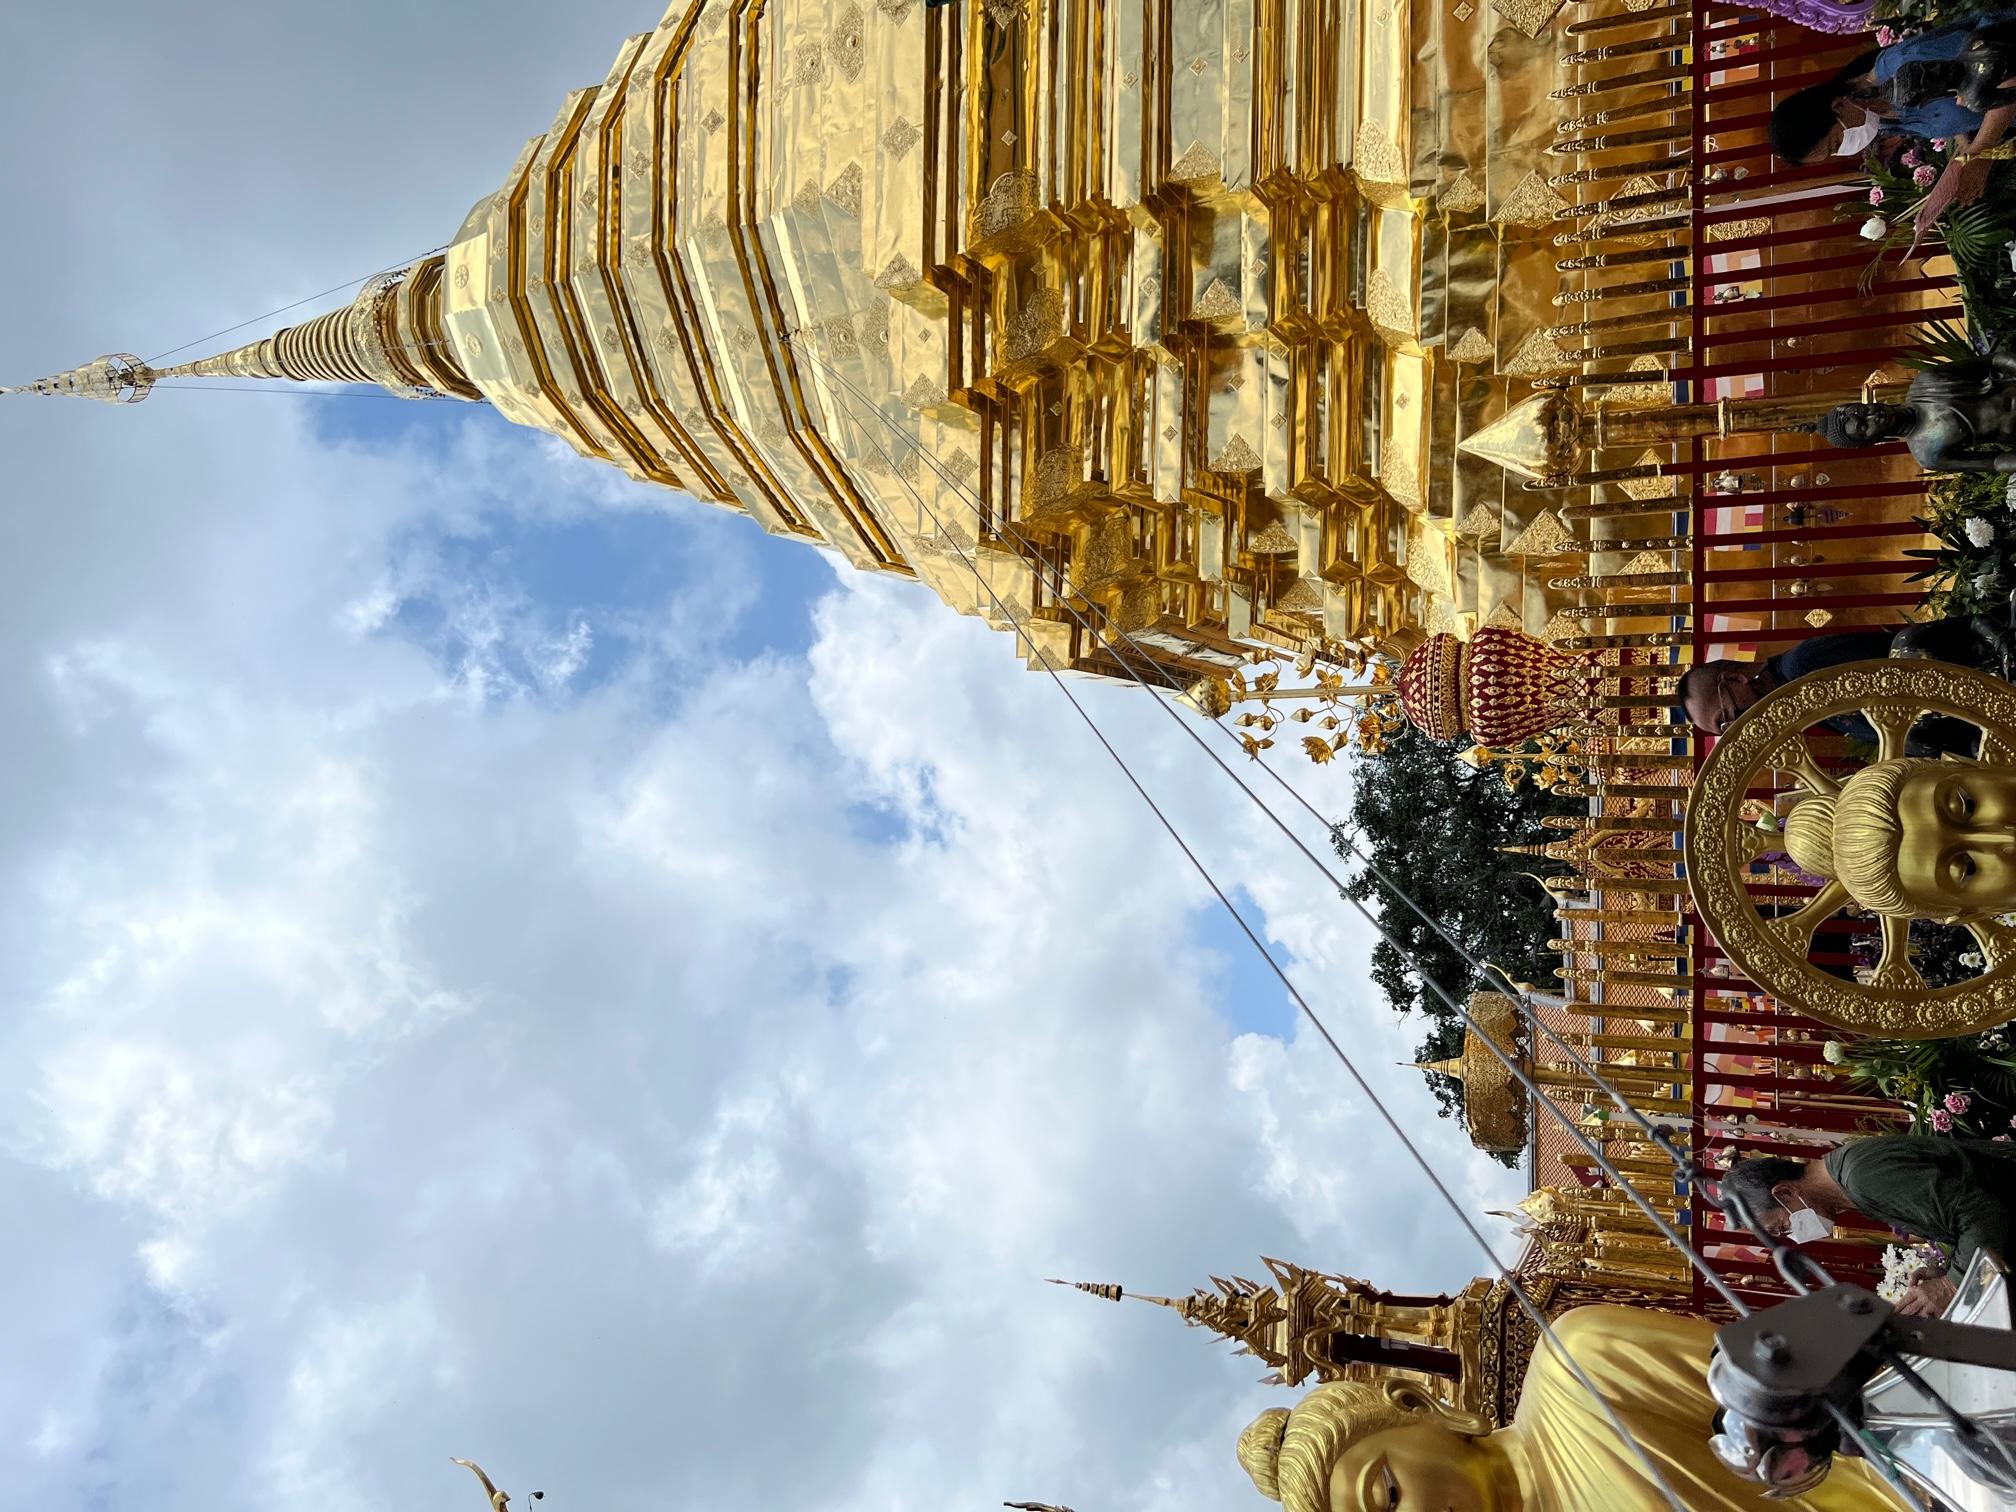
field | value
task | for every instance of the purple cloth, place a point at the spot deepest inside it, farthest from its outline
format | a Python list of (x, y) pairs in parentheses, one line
[(1821, 15)]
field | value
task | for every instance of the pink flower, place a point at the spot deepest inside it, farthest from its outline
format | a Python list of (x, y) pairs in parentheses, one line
[(1942, 1120), (1938, 144), (1911, 158), (1923, 175), (1875, 196), (1885, 37), (1958, 1102), (2002, 1139)]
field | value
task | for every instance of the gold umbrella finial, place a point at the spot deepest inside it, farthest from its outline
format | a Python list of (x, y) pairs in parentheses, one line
[(120, 378)]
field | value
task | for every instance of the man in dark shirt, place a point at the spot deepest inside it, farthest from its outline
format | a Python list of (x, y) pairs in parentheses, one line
[(1958, 1193), (1715, 692)]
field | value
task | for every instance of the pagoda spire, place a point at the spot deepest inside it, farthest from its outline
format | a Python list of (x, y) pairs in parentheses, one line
[(117, 379), (393, 335)]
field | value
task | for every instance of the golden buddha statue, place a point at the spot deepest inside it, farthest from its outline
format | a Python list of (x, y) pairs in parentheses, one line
[(1914, 838), (1353, 1447)]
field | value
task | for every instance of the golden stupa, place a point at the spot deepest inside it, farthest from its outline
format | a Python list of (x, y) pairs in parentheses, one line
[(1161, 314)]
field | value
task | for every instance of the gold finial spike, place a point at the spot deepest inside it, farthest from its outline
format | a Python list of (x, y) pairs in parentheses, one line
[(120, 378), (373, 339), (1105, 1291), (498, 1499)]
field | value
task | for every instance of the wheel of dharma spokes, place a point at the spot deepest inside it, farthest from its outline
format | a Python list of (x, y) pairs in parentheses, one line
[(1899, 839)]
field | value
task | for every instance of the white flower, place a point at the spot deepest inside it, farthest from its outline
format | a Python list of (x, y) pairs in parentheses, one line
[(1834, 1053), (1898, 1264), (1973, 958), (1979, 531), (2009, 491), (1875, 228)]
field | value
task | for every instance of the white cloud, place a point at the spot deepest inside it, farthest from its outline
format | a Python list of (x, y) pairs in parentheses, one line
[(557, 661), (675, 1090)]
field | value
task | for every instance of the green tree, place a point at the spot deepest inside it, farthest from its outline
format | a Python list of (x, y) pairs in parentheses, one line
[(1435, 825)]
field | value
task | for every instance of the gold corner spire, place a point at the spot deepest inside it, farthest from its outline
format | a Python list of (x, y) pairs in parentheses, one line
[(1105, 1291), (392, 335), (498, 1499)]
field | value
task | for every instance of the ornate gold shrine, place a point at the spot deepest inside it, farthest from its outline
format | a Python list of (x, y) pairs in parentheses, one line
[(1470, 1349)]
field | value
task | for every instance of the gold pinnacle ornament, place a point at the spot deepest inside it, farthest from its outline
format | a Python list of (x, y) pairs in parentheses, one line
[(1546, 437)]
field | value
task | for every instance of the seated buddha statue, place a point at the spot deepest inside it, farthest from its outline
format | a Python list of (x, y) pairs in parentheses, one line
[(1914, 838), (1956, 417), (1356, 1447)]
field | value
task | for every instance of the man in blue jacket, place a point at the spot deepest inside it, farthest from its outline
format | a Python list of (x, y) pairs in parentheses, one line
[(1715, 692)]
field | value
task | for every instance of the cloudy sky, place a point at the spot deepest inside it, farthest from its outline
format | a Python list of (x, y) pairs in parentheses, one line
[(500, 962)]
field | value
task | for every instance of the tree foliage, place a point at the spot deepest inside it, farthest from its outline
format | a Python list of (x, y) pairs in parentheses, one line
[(1435, 826)]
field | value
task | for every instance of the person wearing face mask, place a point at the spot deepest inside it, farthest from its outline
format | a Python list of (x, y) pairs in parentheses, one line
[(1859, 138), (1844, 115), (1960, 1194)]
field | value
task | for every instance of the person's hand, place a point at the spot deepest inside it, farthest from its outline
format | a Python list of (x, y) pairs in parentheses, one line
[(1930, 1295), (1998, 647)]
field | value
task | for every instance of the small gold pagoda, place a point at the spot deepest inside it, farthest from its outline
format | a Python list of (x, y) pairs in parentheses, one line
[(1470, 1349)]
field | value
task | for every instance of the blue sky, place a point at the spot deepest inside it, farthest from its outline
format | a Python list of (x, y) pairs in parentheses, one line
[(503, 962)]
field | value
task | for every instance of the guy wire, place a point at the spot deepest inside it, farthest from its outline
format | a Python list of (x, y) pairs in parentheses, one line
[(1386, 1116), (1659, 1135)]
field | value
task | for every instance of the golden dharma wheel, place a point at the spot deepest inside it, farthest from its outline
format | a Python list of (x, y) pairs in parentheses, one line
[(1899, 838)]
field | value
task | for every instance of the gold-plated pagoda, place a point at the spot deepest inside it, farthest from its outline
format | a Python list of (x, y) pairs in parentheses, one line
[(817, 264)]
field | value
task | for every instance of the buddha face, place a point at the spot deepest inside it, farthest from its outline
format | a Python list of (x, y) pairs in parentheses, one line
[(1423, 1467), (1958, 852), (1868, 424)]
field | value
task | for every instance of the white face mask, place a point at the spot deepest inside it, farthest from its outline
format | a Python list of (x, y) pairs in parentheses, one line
[(1807, 1225), (1856, 139)]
